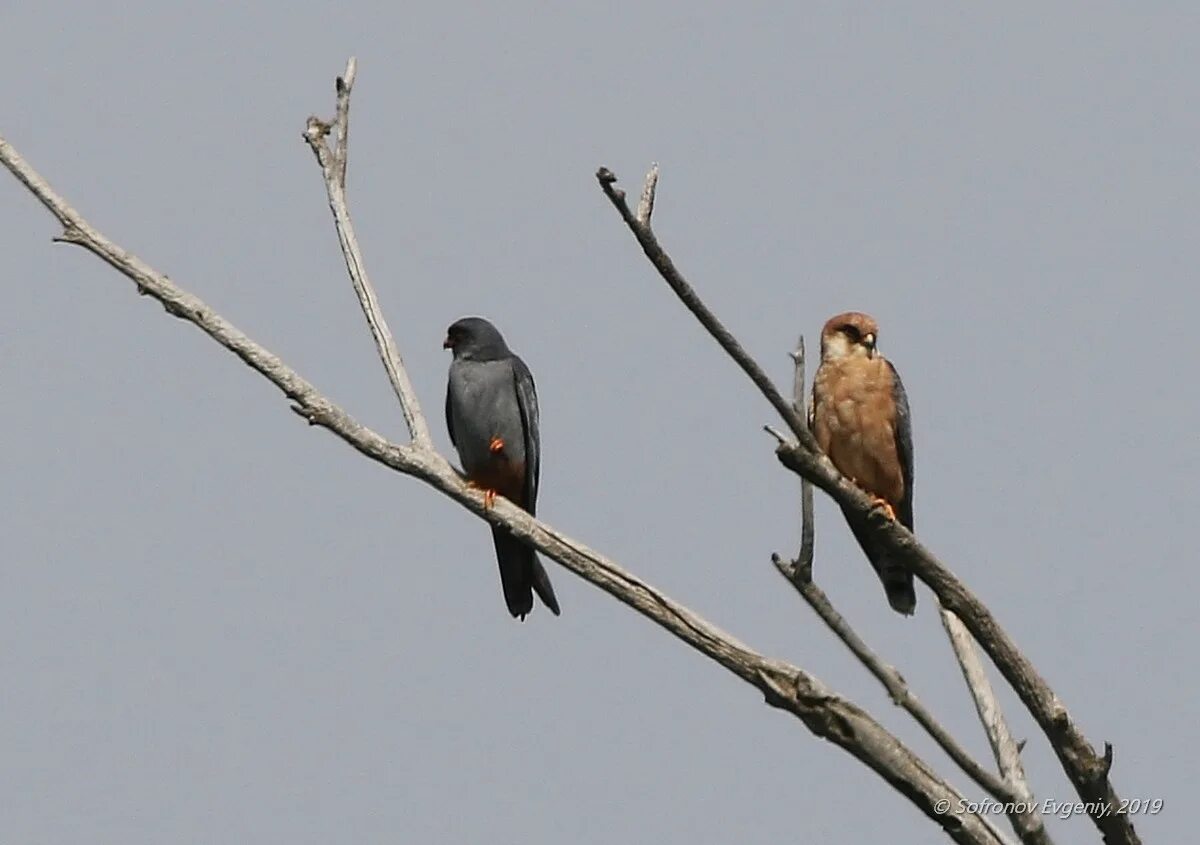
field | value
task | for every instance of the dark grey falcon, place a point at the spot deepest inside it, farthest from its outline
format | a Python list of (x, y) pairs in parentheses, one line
[(492, 415)]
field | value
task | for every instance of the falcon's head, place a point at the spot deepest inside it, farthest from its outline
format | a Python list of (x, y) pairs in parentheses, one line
[(849, 335), (475, 339)]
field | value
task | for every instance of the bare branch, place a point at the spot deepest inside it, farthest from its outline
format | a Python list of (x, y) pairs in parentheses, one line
[(784, 685), (1079, 760), (1086, 770), (666, 268), (1024, 816), (333, 168)]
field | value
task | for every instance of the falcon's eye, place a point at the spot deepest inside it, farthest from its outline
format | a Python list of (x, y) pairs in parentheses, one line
[(851, 333)]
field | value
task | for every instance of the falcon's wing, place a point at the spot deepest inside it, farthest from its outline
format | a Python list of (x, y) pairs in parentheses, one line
[(904, 447), (449, 417), (527, 401)]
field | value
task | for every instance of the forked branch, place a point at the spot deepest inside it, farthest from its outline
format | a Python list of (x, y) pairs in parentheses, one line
[(784, 685), (333, 162), (1087, 771)]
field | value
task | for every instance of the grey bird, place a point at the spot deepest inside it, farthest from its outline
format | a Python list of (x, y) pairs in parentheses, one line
[(492, 415)]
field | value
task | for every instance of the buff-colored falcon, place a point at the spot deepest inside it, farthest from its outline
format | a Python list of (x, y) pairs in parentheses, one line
[(860, 419)]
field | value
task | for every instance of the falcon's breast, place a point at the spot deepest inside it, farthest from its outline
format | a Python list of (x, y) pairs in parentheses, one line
[(854, 422)]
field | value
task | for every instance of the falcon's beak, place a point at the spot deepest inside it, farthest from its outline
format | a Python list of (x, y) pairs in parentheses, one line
[(869, 342), (447, 343)]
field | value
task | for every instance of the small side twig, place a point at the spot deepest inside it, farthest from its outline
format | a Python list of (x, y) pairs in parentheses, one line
[(646, 205), (341, 123), (333, 168), (779, 436), (804, 560)]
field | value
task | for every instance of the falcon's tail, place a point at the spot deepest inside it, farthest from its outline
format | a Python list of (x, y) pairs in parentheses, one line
[(521, 575), (897, 579)]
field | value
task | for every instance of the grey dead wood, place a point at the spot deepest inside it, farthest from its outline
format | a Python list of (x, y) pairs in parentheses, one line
[(783, 685)]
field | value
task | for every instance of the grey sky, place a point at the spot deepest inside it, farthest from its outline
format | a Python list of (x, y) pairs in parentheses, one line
[(221, 625)]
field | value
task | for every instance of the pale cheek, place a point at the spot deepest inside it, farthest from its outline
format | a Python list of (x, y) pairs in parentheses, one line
[(836, 347)]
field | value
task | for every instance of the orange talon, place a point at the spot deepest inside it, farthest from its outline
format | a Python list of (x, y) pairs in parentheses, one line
[(887, 508), (496, 446), (489, 495)]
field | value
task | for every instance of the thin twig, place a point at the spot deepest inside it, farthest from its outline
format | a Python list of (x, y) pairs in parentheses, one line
[(784, 685), (804, 560), (333, 168), (1022, 811), (1083, 766), (779, 436), (666, 268)]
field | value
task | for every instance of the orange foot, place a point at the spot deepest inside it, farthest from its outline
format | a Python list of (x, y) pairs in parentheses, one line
[(489, 496), (887, 508), (496, 446)]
